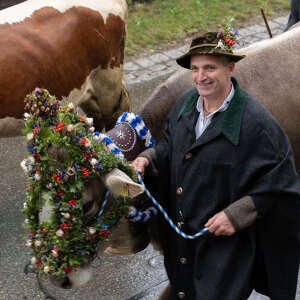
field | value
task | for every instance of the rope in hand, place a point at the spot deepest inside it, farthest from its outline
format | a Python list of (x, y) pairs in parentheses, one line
[(161, 209)]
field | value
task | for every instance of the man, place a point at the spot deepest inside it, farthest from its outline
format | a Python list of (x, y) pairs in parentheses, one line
[(225, 163)]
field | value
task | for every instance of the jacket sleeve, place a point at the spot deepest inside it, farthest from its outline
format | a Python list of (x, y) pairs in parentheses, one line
[(241, 213), (268, 175)]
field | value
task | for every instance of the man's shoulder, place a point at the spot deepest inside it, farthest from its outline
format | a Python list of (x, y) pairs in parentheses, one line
[(257, 119), (257, 112)]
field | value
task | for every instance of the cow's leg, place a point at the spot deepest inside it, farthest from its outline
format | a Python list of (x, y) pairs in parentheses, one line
[(11, 127)]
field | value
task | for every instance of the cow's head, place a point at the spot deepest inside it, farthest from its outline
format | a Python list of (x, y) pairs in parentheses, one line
[(69, 169)]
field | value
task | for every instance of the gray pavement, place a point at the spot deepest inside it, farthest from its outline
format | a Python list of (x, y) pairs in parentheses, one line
[(129, 277)]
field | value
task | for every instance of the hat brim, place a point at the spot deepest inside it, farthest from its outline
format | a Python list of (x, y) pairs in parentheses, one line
[(184, 60)]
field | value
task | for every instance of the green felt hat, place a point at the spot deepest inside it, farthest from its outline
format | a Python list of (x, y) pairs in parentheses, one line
[(211, 43)]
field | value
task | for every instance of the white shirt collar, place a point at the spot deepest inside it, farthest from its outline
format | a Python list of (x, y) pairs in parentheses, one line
[(223, 107)]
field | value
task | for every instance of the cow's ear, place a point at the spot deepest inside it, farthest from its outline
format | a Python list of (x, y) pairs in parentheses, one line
[(121, 184)]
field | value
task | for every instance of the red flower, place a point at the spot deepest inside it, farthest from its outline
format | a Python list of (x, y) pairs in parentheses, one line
[(104, 233), (73, 202), (56, 249), (84, 141), (59, 193), (65, 226), (36, 156), (67, 270), (230, 42), (82, 120), (36, 130), (86, 155), (60, 126), (40, 265), (57, 177), (85, 172), (29, 187), (94, 153)]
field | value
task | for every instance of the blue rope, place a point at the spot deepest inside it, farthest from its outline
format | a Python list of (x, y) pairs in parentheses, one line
[(184, 235)]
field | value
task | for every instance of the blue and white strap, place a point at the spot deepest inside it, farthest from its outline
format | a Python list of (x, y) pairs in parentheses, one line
[(135, 215), (138, 124), (111, 146)]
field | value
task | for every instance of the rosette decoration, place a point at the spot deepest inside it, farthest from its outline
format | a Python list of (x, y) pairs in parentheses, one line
[(64, 153)]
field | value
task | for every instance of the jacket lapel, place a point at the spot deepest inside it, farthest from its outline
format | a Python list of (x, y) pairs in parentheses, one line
[(189, 120), (210, 133)]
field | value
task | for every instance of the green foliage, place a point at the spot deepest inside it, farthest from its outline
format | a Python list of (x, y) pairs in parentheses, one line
[(161, 23)]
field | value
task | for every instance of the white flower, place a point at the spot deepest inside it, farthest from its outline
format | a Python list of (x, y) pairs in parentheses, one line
[(71, 105), (92, 230), (34, 260), (92, 129), (46, 269), (26, 116), (59, 233), (93, 161), (37, 176), (29, 244), (25, 205), (66, 215), (26, 221), (70, 127), (89, 121), (23, 165), (96, 138), (29, 136), (38, 243)]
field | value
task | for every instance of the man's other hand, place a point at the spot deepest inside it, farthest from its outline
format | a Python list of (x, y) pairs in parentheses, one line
[(140, 164), (219, 224)]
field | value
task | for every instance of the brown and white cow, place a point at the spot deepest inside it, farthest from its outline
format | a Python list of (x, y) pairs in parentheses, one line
[(62, 45)]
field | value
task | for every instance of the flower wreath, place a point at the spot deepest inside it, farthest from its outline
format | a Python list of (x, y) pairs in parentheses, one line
[(64, 243)]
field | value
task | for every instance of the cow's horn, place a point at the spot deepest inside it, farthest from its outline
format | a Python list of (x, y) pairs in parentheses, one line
[(122, 185)]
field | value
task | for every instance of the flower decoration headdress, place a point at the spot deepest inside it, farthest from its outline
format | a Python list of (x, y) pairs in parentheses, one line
[(228, 36), (58, 177)]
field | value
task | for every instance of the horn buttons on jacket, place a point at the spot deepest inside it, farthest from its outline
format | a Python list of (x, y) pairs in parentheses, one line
[(188, 155), (179, 191)]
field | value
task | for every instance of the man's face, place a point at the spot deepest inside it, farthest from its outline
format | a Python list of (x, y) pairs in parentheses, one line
[(211, 75)]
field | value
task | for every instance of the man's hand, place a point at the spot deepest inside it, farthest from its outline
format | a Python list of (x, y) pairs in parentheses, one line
[(140, 164), (220, 224)]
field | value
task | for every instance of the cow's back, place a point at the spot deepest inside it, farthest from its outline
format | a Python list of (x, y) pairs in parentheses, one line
[(270, 72)]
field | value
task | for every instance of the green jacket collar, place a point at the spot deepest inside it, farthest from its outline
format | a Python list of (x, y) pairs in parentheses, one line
[(231, 118)]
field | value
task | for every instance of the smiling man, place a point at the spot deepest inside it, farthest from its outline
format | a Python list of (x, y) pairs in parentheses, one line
[(226, 164)]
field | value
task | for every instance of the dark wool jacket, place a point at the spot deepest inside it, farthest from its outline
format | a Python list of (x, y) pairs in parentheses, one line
[(243, 152)]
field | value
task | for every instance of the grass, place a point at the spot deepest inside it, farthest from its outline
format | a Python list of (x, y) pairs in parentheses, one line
[(162, 23)]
